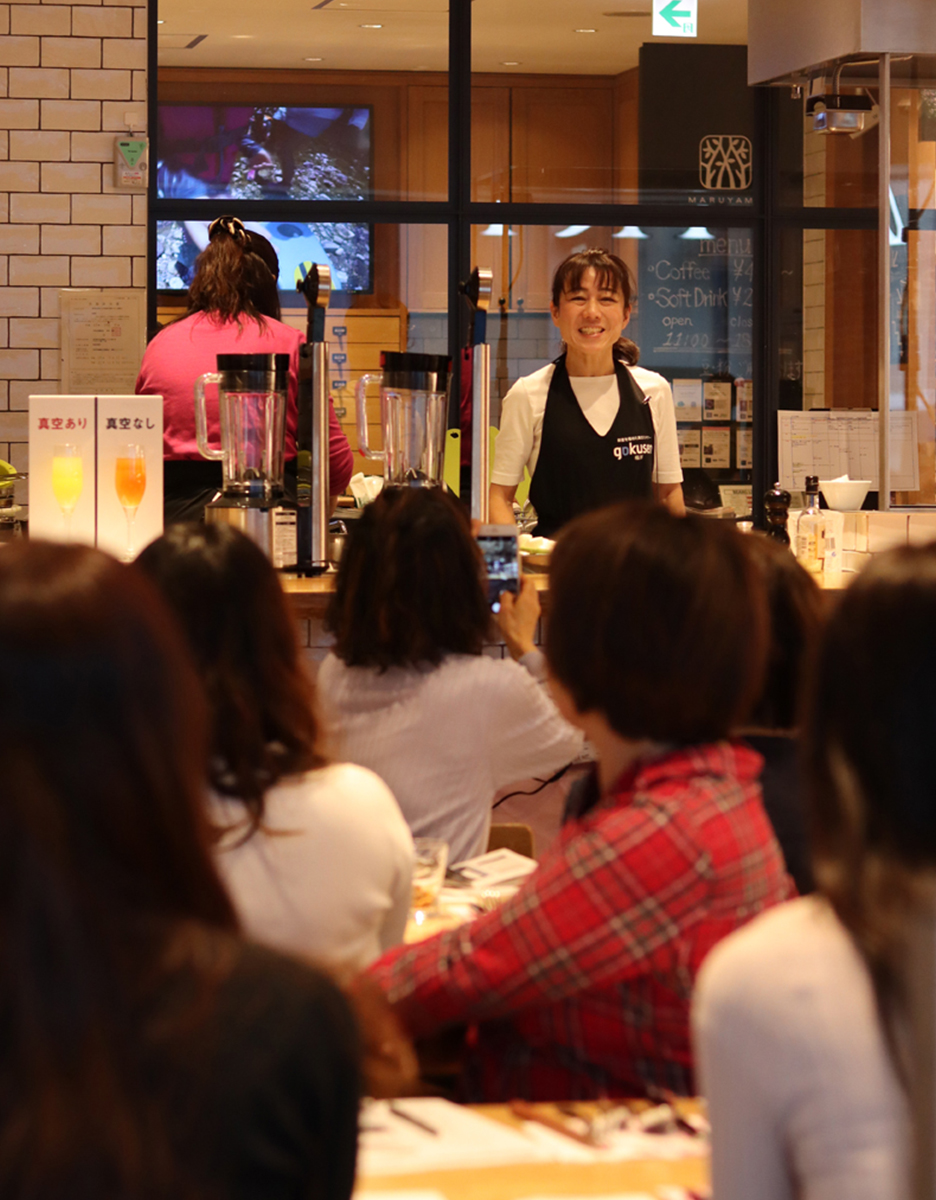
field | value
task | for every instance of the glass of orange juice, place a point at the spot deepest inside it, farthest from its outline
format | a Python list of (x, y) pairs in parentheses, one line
[(130, 482), (67, 479)]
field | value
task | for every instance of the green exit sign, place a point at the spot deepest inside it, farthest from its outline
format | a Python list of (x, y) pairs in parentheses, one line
[(675, 18)]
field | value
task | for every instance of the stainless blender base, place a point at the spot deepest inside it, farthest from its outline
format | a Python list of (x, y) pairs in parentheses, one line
[(255, 522)]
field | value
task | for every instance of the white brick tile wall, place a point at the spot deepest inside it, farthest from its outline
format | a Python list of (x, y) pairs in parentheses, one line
[(51, 19), (71, 239), (70, 114), (50, 83), (40, 145), (67, 72)]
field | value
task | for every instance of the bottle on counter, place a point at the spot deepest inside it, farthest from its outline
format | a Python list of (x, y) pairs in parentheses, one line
[(809, 546)]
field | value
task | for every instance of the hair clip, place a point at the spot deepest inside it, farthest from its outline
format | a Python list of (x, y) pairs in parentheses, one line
[(232, 226)]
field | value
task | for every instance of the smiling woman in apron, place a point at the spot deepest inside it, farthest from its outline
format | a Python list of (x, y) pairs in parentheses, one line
[(591, 427)]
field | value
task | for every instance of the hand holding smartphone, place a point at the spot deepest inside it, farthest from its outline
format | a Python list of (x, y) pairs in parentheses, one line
[(500, 546)]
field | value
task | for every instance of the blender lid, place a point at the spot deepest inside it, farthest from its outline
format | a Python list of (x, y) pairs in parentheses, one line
[(253, 362), (267, 372), (402, 368)]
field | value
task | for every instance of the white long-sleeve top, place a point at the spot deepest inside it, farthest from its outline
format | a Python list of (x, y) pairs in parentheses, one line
[(804, 1101), (447, 738), (328, 875)]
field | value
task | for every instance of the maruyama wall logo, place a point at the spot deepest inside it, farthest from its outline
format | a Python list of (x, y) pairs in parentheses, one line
[(725, 162)]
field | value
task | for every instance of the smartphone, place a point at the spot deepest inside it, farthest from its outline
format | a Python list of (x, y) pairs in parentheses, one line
[(500, 545)]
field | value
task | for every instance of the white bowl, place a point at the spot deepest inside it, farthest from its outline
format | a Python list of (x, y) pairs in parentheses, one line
[(845, 497)]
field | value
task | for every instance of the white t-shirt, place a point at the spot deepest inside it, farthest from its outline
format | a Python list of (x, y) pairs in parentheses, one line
[(803, 1098), (328, 875), (446, 738), (521, 427)]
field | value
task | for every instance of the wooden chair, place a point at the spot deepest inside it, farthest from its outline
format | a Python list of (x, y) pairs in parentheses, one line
[(512, 837)]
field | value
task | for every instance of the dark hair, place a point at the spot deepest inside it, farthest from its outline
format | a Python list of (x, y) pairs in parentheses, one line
[(229, 603), (104, 864), (611, 273), (796, 615), (236, 275), (410, 584), (656, 621), (869, 733)]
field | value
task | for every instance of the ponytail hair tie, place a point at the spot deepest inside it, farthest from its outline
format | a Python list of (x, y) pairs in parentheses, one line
[(232, 226)]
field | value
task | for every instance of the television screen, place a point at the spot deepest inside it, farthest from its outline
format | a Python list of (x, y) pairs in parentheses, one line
[(344, 248), (261, 152)]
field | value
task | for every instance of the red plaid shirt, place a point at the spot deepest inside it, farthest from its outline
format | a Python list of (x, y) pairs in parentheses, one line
[(581, 983)]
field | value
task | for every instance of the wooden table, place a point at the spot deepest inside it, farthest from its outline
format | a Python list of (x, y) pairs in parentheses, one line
[(514, 1182)]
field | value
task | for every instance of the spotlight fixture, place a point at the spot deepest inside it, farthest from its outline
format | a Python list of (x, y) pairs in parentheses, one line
[(372, 26), (313, 60), (571, 231), (585, 31), (510, 63)]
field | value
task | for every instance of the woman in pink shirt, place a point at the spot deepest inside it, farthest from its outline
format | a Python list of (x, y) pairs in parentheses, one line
[(233, 309)]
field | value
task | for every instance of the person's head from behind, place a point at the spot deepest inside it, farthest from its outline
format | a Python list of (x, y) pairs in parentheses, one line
[(410, 584), (870, 732), (796, 615), (657, 624), (228, 601), (236, 274), (104, 851)]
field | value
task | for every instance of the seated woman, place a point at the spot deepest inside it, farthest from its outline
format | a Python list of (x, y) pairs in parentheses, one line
[(317, 857), (797, 1018), (796, 615), (147, 1049), (581, 983), (408, 691), (233, 308)]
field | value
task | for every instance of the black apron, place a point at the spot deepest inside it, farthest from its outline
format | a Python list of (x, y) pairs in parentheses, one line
[(578, 469)]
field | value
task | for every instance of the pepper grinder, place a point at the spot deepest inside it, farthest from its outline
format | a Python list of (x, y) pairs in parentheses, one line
[(776, 511)]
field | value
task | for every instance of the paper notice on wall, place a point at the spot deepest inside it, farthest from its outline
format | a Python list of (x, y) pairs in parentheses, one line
[(103, 338), (687, 397), (690, 448), (745, 446), (744, 399), (716, 449), (833, 442), (716, 401)]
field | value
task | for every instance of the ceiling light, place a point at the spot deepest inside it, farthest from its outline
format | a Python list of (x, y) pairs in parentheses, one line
[(630, 231), (510, 63), (372, 26), (698, 232), (585, 31), (160, 22), (313, 60), (241, 36), (572, 231)]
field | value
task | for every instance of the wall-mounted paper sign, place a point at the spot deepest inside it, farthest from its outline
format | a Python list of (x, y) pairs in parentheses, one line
[(744, 398), (745, 449), (96, 470), (690, 448), (716, 400), (716, 448), (103, 339), (738, 496), (687, 397)]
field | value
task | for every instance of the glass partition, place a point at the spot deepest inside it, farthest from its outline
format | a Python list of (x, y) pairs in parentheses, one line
[(572, 105), (692, 320), (912, 315), (330, 101)]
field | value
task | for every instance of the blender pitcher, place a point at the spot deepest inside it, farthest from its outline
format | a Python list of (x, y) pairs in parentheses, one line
[(413, 414), (252, 416)]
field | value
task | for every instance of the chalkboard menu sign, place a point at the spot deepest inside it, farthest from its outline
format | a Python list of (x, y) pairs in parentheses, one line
[(695, 301)]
